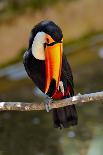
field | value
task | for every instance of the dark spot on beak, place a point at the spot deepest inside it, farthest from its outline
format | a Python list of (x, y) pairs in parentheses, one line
[(52, 88)]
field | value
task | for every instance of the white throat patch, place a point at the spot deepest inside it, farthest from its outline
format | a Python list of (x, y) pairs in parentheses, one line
[(38, 46)]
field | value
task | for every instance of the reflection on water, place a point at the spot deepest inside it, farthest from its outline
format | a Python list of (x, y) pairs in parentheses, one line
[(32, 133)]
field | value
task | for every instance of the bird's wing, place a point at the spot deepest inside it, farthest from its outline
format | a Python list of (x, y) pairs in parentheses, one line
[(26, 63), (35, 69), (67, 71)]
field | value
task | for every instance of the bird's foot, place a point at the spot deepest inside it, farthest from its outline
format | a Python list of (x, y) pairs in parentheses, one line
[(47, 103)]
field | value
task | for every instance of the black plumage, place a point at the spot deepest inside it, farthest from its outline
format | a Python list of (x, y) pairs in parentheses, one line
[(35, 69)]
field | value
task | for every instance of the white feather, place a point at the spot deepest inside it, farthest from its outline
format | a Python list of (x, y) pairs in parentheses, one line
[(38, 46), (61, 86)]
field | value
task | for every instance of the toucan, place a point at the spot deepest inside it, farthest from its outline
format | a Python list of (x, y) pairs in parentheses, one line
[(47, 66)]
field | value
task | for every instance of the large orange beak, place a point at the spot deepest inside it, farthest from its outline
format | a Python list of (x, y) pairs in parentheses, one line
[(53, 62)]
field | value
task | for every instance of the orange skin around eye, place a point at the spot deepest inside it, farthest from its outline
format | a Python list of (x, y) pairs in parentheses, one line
[(49, 39), (53, 62)]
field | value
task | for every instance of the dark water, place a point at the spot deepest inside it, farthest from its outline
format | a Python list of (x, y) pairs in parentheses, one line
[(32, 133)]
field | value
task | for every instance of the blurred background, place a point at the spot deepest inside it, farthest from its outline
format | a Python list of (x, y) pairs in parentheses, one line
[(32, 133)]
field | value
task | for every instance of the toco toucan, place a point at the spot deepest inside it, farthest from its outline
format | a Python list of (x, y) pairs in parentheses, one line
[(48, 68)]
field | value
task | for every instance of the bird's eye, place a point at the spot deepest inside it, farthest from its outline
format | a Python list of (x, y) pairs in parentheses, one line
[(47, 40)]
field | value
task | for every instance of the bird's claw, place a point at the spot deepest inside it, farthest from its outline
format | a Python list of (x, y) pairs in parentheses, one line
[(47, 103), (47, 107)]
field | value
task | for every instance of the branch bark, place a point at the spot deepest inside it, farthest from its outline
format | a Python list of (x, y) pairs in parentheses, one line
[(79, 99)]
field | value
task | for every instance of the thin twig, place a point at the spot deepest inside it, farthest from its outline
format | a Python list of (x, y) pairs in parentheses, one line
[(79, 99)]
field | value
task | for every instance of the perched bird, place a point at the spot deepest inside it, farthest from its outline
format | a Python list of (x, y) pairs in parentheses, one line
[(48, 68)]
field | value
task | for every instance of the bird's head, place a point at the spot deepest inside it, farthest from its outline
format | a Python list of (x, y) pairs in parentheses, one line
[(46, 44)]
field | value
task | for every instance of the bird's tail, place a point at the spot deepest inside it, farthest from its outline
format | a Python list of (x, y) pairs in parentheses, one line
[(65, 117)]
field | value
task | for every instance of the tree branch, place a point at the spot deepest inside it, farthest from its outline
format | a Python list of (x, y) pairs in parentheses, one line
[(79, 99)]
